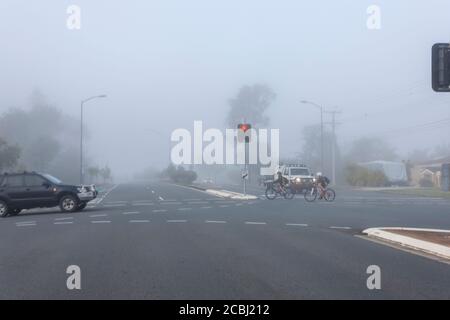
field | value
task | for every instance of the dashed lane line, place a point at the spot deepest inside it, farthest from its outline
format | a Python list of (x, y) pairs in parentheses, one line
[(340, 228), (159, 210), (139, 221), (98, 215), (212, 221), (255, 223), (296, 225), (184, 209), (100, 221), (63, 222), (62, 219), (176, 221), (131, 212)]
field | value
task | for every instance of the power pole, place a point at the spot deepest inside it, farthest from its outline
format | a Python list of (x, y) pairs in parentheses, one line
[(333, 144)]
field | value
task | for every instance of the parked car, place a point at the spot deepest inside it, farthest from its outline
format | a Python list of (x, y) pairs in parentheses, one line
[(30, 190)]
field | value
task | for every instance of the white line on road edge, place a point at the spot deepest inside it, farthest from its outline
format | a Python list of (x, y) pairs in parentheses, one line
[(249, 222), (61, 219), (131, 212), (64, 222), (297, 224), (210, 221), (106, 194), (343, 228), (100, 221), (139, 221), (159, 210), (176, 221), (98, 215)]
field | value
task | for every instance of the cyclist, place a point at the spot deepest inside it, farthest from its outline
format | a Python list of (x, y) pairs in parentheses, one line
[(322, 183), (282, 181)]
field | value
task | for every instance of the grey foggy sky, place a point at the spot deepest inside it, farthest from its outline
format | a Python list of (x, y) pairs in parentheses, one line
[(167, 63)]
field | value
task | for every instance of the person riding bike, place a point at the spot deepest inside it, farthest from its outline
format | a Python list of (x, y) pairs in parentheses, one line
[(322, 183), (282, 181)]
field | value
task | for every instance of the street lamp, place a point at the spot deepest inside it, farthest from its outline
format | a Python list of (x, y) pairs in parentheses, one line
[(321, 129), (81, 131)]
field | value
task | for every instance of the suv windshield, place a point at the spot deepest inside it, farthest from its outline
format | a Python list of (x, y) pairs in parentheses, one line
[(299, 172)]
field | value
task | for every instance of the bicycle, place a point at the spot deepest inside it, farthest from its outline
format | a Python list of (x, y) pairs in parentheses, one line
[(328, 194), (275, 190)]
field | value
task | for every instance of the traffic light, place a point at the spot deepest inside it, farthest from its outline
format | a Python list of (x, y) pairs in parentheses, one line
[(243, 128), (441, 67)]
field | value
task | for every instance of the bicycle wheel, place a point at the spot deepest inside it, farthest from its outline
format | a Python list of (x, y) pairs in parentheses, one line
[(271, 194), (330, 195), (311, 195), (289, 193)]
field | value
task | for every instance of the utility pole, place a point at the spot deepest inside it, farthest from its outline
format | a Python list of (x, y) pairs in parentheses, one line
[(333, 144)]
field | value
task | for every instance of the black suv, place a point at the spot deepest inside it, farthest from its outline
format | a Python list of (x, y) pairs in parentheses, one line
[(29, 190)]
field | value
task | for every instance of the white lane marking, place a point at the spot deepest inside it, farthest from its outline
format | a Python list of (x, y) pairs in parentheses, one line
[(205, 207), (131, 212), (184, 209), (143, 204), (106, 194), (211, 221), (161, 198), (176, 202), (159, 210), (176, 221), (101, 221), (343, 228), (224, 206), (25, 222), (114, 205), (62, 219), (297, 224), (116, 202), (64, 222), (251, 222), (98, 215), (139, 221)]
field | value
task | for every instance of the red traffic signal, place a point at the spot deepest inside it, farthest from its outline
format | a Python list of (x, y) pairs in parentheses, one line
[(244, 126)]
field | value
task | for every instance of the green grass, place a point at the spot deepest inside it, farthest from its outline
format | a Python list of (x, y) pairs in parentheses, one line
[(421, 192)]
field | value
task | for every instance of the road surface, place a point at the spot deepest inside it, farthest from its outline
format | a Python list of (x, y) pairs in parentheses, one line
[(161, 241)]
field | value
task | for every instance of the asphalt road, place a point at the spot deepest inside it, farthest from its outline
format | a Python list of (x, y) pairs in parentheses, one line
[(160, 241)]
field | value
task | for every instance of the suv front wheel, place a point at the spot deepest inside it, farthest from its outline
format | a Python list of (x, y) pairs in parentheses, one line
[(3, 209), (68, 203)]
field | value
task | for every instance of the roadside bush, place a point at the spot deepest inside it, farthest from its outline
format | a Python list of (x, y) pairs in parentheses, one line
[(426, 183), (179, 175), (361, 177)]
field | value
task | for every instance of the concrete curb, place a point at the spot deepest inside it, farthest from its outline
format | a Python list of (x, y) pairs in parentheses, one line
[(412, 243)]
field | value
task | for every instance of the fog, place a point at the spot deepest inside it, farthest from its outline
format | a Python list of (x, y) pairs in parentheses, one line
[(165, 64)]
